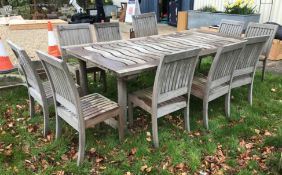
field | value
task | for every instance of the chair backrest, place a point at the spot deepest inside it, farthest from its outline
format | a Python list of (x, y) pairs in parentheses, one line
[(107, 31), (223, 65), (74, 34), (174, 75), (30, 73), (64, 90), (255, 29), (250, 55), (145, 25), (231, 28)]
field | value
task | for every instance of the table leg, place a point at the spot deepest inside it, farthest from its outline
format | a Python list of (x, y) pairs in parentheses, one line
[(122, 99), (83, 77)]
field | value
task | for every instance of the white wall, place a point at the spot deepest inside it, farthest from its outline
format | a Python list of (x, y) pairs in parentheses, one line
[(117, 2), (275, 14)]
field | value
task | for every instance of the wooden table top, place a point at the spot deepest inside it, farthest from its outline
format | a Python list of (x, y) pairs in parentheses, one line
[(131, 57)]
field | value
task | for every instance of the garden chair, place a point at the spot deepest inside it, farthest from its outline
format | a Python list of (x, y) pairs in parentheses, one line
[(37, 89), (231, 27), (255, 29), (217, 83), (245, 69), (145, 25), (77, 34), (173, 80), (107, 32), (80, 113)]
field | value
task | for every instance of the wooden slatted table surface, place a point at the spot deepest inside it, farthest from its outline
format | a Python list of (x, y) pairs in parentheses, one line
[(126, 58)]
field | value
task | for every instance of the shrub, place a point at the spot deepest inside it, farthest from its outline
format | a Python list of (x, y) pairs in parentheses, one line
[(208, 8), (242, 7)]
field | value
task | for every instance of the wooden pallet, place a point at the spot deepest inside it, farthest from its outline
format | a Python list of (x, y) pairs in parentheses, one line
[(33, 24)]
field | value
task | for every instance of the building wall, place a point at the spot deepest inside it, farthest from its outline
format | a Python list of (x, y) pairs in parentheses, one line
[(117, 2), (267, 14)]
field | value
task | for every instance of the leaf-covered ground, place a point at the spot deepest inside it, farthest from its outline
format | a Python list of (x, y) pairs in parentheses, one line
[(249, 143)]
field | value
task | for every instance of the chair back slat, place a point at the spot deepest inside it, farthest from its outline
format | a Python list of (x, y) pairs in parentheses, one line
[(174, 75), (224, 64), (107, 32), (74, 34), (250, 55), (255, 29), (32, 78), (231, 28), (65, 92), (145, 25)]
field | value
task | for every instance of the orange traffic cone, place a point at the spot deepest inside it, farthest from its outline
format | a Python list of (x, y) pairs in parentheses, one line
[(53, 48), (5, 63)]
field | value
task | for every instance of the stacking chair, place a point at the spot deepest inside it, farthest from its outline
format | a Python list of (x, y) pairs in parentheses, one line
[(145, 25), (80, 113), (245, 69), (231, 28), (107, 31), (255, 29), (77, 34), (217, 83), (37, 89), (173, 80)]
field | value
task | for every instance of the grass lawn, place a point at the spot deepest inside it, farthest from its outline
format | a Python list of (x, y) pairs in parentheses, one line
[(249, 143)]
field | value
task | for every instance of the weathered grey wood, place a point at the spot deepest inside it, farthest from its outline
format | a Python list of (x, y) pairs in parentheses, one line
[(255, 29), (231, 27), (80, 113), (37, 90), (220, 75), (136, 55), (173, 80), (107, 32), (117, 55), (245, 69), (145, 24), (77, 34)]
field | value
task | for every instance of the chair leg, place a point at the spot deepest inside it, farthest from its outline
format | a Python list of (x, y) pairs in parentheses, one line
[(200, 62), (205, 113), (155, 131), (227, 104), (81, 148), (95, 76), (31, 106), (130, 113), (121, 128), (77, 77), (58, 126), (250, 96), (46, 119), (187, 119), (263, 69), (104, 79)]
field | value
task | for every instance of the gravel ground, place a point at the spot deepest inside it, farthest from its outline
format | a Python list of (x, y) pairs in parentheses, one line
[(32, 40)]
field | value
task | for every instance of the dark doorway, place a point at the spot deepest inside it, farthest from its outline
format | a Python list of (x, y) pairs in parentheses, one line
[(163, 11)]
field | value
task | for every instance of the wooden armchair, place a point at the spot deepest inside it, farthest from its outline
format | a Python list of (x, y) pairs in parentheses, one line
[(231, 28), (255, 29), (77, 34), (145, 25), (37, 89), (245, 69), (173, 80), (80, 113), (217, 83)]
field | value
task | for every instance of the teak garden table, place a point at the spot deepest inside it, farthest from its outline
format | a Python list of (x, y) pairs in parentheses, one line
[(128, 58)]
